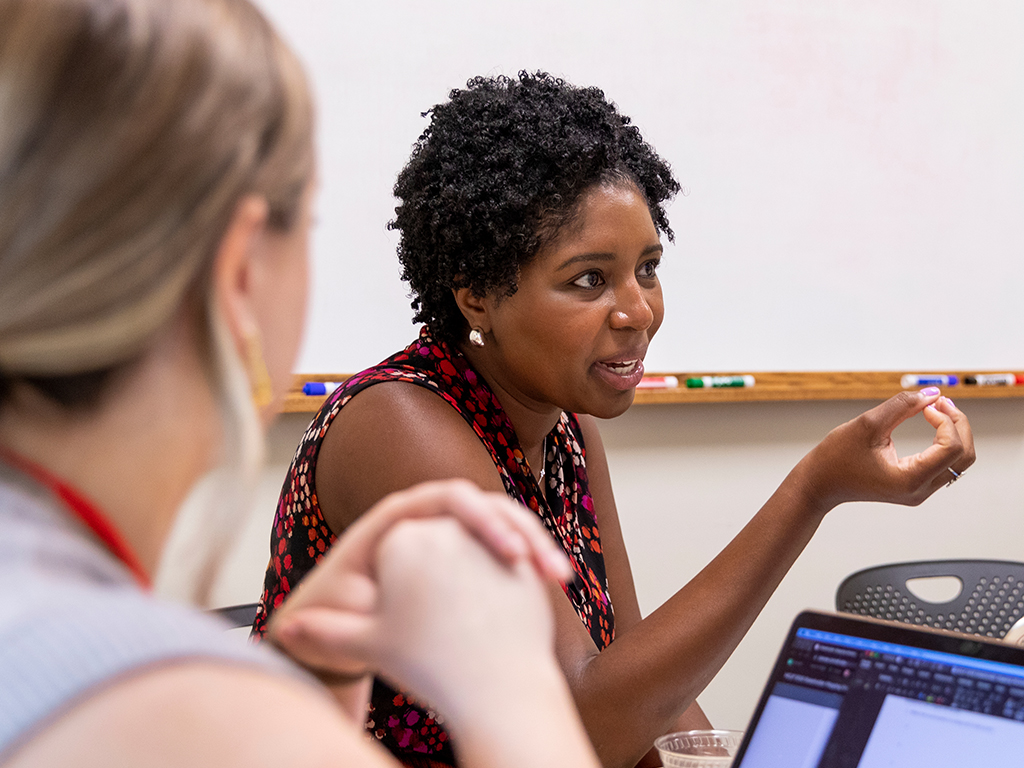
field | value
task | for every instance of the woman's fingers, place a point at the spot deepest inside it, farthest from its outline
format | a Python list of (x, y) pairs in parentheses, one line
[(963, 428), (547, 557), (946, 446), (508, 531), (884, 418), (325, 620), (952, 448), (326, 640), (960, 453)]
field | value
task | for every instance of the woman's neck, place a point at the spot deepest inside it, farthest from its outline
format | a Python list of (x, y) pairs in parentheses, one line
[(532, 421), (137, 454)]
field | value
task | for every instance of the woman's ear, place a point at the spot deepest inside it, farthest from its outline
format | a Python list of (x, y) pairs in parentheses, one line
[(476, 309), (234, 265)]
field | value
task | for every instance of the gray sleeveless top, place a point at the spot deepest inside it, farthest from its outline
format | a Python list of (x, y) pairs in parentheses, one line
[(72, 619)]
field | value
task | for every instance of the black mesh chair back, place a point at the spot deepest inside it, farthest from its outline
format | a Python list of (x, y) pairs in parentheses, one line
[(237, 615), (990, 601)]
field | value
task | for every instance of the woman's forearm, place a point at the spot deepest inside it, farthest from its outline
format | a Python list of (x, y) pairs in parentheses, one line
[(639, 686), (525, 717), (353, 696)]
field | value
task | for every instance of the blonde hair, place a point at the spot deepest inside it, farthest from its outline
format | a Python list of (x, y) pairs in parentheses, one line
[(131, 129)]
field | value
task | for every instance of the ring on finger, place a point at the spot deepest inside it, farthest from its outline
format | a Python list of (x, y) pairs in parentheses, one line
[(956, 475)]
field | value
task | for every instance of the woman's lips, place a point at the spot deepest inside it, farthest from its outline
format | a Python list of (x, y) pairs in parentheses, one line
[(621, 374)]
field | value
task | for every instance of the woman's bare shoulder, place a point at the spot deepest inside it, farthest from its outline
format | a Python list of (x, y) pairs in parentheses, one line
[(391, 436), (199, 714)]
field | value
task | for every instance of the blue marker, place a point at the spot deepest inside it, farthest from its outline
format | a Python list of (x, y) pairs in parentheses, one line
[(320, 387), (911, 380)]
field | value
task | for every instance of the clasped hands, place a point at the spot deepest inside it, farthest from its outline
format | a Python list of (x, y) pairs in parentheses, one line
[(435, 585)]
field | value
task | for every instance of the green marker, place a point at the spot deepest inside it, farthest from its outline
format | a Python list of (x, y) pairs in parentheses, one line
[(706, 382)]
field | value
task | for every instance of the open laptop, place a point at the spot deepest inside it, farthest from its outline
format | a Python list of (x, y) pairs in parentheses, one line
[(850, 692)]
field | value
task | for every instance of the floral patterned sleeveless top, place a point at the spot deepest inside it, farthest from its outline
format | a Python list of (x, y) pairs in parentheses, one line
[(301, 536)]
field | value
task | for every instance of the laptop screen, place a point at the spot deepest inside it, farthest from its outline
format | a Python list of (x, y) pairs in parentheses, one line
[(848, 692)]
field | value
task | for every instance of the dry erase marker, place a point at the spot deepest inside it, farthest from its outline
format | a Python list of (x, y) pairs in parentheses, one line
[(319, 387), (993, 379), (698, 382), (911, 380), (658, 382)]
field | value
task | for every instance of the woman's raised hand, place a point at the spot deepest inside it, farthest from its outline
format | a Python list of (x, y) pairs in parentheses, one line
[(858, 460)]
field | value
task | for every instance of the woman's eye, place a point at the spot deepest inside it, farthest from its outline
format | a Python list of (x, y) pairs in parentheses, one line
[(649, 269), (589, 280)]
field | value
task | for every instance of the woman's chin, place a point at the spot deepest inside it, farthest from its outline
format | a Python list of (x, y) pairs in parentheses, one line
[(609, 408)]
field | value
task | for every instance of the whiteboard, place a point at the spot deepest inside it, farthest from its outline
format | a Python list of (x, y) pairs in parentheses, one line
[(853, 171)]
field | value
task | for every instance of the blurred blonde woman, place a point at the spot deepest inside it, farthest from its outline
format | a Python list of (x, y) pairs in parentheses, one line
[(156, 175)]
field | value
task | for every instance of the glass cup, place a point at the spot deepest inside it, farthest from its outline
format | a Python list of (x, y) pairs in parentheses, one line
[(698, 749)]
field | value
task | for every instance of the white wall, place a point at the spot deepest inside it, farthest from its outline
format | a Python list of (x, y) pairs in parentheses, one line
[(687, 478), (831, 151)]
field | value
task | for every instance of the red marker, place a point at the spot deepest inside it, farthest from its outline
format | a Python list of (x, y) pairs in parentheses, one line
[(658, 382)]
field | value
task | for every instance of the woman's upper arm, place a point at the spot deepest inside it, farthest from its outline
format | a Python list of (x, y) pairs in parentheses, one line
[(201, 714), (389, 437)]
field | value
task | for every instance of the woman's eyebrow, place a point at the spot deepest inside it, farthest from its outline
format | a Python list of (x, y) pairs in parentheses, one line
[(604, 256), (599, 256)]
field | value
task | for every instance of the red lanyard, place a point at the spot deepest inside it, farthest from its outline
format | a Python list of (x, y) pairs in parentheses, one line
[(84, 510)]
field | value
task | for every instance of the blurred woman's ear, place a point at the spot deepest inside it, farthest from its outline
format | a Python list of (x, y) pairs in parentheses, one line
[(233, 270)]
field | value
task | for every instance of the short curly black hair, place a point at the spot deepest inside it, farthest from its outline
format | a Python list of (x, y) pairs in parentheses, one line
[(498, 173)]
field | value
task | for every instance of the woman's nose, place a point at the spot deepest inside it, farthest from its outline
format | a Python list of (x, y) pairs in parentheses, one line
[(632, 310)]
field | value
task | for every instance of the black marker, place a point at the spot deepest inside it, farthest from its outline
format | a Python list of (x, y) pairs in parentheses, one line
[(994, 379)]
